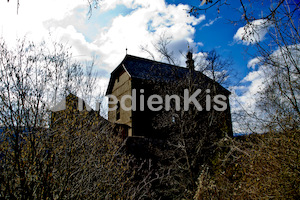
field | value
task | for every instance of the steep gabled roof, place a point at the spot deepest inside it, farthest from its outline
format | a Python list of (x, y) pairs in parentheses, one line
[(145, 69)]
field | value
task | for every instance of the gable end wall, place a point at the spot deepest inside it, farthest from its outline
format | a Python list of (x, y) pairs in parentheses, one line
[(120, 88)]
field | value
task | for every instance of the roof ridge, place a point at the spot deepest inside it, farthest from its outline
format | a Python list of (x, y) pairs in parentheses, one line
[(159, 62), (163, 66)]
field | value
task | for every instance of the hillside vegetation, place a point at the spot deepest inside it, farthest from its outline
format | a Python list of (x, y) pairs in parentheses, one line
[(265, 166)]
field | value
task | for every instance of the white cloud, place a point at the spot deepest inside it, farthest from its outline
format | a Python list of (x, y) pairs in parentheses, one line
[(106, 5), (28, 21), (252, 32), (66, 21), (107, 33), (244, 99), (81, 49), (254, 62), (200, 44), (210, 22), (143, 26)]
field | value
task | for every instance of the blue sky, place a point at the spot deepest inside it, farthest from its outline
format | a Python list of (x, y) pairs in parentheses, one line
[(120, 24), (214, 32), (217, 32)]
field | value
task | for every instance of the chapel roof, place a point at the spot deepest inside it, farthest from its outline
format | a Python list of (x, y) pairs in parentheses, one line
[(146, 69)]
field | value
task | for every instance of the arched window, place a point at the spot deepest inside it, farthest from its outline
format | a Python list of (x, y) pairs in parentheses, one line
[(118, 111)]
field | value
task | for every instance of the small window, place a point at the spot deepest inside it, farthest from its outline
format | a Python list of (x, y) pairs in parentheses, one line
[(173, 119), (118, 111)]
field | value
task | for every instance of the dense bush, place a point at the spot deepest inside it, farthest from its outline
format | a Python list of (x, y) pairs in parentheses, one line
[(256, 167)]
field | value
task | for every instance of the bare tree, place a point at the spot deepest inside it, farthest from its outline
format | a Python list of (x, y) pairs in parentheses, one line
[(277, 57), (257, 166), (161, 47), (278, 60), (191, 136), (253, 167), (77, 156)]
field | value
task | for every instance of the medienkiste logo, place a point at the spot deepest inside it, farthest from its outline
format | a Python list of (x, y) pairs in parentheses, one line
[(157, 102)]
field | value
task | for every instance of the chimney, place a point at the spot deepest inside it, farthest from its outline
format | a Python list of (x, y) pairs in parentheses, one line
[(190, 62)]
